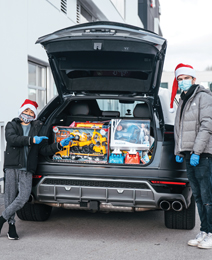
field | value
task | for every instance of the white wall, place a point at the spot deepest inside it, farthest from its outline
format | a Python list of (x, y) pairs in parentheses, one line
[(23, 22)]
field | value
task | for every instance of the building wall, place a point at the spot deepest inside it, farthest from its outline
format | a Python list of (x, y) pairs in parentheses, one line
[(22, 22), (149, 12), (202, 77)]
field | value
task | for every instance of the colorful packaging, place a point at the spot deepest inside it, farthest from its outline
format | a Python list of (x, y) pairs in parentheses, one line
[(145, 159), (130, 134), (132, 158), (88, 145)]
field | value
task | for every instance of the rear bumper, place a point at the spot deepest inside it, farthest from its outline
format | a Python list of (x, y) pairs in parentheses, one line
[(76, 192)]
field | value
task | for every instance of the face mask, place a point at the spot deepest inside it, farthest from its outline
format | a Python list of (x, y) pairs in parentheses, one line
[(184, 84), (26, 118)]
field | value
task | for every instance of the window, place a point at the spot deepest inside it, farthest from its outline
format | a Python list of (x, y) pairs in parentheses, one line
[(37, 83), (83, 15), (125, 109), (120, 6), (164, 84)]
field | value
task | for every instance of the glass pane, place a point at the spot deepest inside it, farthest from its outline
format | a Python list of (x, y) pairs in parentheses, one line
[(41, 99), (32, 94), (39, 76), (115, 105), (31, 74)]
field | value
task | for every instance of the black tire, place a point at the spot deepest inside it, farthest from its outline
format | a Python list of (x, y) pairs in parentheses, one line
[(184, 219), (34, 212)]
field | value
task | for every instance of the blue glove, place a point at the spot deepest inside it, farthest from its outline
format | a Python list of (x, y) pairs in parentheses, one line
[(66, 141), (179, 159), (39, 139), (194, 160)]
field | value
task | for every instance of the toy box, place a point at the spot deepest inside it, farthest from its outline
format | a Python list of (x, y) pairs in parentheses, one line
[(130, 134), (87, 144)]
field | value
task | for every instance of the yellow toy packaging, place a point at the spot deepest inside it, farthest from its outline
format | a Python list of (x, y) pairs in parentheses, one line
[(87, 144)]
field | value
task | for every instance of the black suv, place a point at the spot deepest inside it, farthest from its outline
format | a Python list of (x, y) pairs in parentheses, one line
[(105, 71)]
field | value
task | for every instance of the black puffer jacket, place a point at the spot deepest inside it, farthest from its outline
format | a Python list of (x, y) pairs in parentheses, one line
[(14, 155)]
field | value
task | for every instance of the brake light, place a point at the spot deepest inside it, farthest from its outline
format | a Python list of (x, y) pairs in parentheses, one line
[(36, 176), (168, 182)]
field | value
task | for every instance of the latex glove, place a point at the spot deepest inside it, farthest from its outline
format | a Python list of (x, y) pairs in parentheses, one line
[(66, 141), (179, 159), (39, 139), (194, 160)]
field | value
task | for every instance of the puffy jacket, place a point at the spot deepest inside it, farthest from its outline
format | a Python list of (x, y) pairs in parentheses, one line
[(193, 132), (14, 155)]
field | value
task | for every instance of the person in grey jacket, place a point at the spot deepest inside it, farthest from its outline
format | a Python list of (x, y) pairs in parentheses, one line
[(24, 143), (193, 143)]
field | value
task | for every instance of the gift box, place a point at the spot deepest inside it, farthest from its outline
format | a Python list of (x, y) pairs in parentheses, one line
[(130, 134), (87, 144)]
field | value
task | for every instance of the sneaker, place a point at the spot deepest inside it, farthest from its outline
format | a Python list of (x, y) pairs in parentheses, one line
[(12, 232), (206, 242), (198, 239)]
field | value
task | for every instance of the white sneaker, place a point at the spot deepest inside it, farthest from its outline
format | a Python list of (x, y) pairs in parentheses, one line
[(206, 242), (198, 239)]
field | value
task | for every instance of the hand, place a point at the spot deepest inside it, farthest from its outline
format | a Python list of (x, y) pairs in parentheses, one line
[(66, 141), (39, 139), (194, 160), (179, 159)]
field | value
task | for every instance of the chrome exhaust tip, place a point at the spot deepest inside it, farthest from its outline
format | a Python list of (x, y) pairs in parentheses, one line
[(165, 205), (177, 205)]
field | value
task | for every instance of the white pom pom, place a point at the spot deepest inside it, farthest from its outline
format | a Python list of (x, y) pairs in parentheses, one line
[(171, 110)]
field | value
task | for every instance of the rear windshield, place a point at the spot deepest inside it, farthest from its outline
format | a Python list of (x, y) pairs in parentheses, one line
[(125, 109)]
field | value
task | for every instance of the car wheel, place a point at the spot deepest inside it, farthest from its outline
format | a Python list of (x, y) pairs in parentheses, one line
[(184, 219), (34, 212)]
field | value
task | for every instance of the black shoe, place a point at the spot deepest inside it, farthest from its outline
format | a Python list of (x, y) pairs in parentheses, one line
[(2, 221), (12, 232)]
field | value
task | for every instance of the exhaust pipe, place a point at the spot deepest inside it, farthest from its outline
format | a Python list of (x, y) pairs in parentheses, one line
[(165, 205), (177, 205)]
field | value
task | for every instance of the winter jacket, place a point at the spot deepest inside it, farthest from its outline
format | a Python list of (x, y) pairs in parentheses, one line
[(14, 155), (193, 132)]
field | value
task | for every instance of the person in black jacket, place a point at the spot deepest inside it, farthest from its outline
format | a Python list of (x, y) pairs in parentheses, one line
[(24, 143)]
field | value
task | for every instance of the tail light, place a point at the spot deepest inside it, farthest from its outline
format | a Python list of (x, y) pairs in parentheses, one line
[(37, 176), (169, 182), (35, 179)]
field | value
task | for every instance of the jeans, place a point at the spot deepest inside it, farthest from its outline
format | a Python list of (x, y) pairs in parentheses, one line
[(200, 180)]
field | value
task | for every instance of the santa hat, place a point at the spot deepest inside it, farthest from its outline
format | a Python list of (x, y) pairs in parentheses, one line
[(29, 104), (181, 69)]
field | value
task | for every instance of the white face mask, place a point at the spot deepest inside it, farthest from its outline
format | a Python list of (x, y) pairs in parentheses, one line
[(26, 118)]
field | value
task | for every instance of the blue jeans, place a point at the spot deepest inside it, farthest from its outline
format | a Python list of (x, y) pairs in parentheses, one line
[(200, 180)]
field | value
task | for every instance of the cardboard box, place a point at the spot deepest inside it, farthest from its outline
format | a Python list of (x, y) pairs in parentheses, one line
[(130, 134), (87, 145)]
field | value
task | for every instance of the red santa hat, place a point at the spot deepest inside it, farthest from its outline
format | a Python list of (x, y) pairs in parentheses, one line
[(181, 69), (29, 104)]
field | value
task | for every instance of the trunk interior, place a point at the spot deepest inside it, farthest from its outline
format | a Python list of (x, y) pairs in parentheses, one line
[(104, 109)]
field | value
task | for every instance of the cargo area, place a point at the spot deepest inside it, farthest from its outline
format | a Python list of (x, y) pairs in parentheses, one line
[(110, 130)]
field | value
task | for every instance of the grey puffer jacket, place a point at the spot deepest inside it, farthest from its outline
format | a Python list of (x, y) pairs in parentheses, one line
[(194, 131)]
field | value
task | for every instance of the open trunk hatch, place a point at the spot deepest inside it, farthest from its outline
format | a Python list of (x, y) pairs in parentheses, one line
[(105, 57)]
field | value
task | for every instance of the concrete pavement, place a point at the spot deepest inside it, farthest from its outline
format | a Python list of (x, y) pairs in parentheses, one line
[(75, 235)]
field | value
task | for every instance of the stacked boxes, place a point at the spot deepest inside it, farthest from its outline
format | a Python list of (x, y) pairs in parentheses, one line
[(120, 142)]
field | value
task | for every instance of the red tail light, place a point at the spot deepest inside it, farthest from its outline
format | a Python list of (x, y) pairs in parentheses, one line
[(36, 176), (168, 182)]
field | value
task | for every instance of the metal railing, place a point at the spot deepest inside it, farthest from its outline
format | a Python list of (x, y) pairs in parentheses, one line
[(2, 146)]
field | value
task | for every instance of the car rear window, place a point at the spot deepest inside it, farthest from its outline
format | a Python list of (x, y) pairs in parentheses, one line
[(125, 109)]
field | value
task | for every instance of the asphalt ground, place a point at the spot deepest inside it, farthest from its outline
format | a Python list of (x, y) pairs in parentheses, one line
[(83, 235)]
